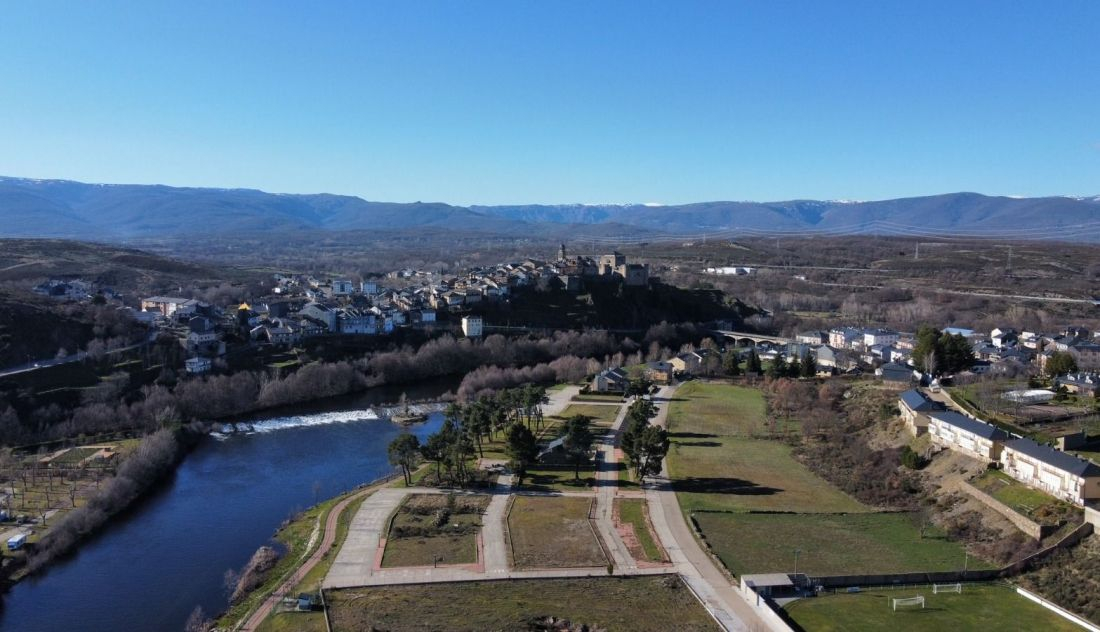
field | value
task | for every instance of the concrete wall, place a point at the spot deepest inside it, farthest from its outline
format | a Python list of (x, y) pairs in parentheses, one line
[(1058, 610), (1030, 527)]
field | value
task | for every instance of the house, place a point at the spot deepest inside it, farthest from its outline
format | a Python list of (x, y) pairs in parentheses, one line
[(1080, 383), (322, 314), (873, 337), (1003, 337), (659, 372), (472, 326), (812, 338), (611, 381), (197, 365), (1056, 473), (895, 373), (915, 408), (689, 362), (167, 305), (342, 287), (971, 437), (845, 338)]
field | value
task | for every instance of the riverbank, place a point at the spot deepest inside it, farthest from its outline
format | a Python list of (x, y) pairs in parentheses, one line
[(153, 460)]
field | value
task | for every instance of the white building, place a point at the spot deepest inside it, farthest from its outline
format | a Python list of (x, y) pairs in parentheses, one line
[(874, 337), (971, 437), (197, 365), (472, 326)]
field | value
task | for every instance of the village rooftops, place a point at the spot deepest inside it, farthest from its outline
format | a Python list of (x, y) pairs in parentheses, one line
[(966, 424), (1054, 458)]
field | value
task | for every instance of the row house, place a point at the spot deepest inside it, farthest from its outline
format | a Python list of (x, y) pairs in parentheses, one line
[(1057, 473), (948, 429)]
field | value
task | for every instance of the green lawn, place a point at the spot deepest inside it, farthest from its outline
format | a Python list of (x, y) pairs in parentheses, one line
[(740, 474), (603, 415), (715, 465), (553, 532), (632, 511), (416, 539), (703, 408), (978, 607), (653, 603), (1029, 502), (830, 544)]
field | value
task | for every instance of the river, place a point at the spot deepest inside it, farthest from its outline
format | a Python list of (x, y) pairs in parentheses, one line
[(149, 568)]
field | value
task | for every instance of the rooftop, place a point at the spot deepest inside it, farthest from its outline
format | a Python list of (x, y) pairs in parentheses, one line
[(973, 426)]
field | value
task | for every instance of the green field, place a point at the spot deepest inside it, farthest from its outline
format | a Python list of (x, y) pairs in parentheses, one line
[(1026, 501), (736, 474), (714, 464), (830, 544), (978, 607), (553, 532), (602, 415), (632, 511), (717, 409), (654, 603)]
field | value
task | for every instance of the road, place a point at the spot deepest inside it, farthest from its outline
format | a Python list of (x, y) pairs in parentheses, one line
[(76, 357)]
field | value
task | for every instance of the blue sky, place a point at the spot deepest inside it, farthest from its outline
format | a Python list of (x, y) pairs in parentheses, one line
[(520, 102)]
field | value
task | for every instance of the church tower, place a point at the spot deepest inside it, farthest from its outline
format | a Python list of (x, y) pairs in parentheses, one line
[(561, 253)]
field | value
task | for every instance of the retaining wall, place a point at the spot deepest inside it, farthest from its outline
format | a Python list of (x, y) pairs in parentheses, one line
[(1023, 523)]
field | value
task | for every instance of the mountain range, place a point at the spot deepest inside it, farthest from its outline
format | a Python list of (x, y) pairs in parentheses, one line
[(118, 212)]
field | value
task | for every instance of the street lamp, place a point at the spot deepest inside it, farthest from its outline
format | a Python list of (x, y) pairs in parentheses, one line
[(796, 553)]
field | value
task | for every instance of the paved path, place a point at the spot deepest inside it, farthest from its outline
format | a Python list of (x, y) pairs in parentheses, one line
[(327, 540), (607, 481)]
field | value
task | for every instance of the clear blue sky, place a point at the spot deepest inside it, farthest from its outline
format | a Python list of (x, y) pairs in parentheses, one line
[(530, 101)]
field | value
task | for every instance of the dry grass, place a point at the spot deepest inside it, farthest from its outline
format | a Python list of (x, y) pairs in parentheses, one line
[(642, 604), (553, 532)]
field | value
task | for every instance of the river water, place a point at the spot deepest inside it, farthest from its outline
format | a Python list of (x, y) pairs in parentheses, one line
[(148, 569)]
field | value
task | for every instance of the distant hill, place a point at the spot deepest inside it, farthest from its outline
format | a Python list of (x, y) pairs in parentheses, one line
[(112, 212)]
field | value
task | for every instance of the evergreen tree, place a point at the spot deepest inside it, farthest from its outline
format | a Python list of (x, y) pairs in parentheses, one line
[(731, 363), (522, 451)]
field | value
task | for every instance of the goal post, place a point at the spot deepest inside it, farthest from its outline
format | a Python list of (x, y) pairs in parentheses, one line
[(946, 588), (908, 601)]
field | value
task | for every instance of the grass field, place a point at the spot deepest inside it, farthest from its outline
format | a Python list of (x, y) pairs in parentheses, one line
[(653, 603), (602, 415), (553, 532), (632, 511), (739, 474), (830, 544), (702, 408), (978, 607), (416, 538)]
